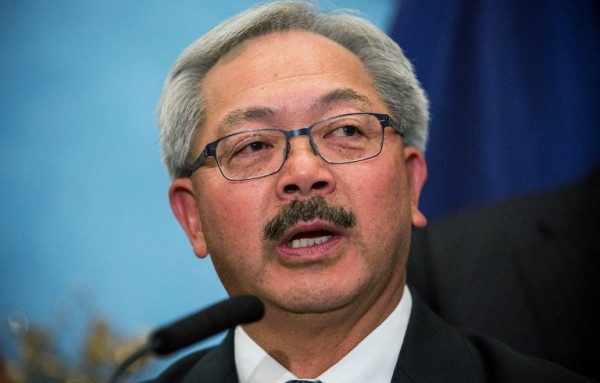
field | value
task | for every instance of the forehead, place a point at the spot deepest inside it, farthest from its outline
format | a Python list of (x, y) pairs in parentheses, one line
[(286, 73)]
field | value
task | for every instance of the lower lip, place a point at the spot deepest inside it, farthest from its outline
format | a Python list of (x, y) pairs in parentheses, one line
[(310, 253)]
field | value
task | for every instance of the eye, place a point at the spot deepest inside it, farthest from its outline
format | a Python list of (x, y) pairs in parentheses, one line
[(347, 130), (253, 147), (250, 145)]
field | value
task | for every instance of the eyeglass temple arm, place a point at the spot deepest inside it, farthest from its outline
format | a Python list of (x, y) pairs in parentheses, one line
[(208, 151), (388, 121)]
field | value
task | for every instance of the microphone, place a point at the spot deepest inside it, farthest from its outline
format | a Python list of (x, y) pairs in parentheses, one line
[(212, 320), (219, 317)]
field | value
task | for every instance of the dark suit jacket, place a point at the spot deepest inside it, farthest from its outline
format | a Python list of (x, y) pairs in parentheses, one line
[(432, 352), (525, 271)]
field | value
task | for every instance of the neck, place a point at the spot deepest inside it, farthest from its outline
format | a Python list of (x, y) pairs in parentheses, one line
[(309, 344)]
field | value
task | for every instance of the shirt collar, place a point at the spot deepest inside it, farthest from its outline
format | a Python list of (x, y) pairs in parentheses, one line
[(372, 360)]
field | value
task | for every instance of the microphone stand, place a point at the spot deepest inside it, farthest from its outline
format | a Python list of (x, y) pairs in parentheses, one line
[(131, 359), (219, 317)]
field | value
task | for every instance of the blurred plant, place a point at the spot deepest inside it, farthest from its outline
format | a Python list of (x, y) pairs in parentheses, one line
[(39, 361)]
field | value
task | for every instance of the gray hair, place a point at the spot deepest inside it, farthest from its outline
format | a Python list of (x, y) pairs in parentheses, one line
[(181, 108)]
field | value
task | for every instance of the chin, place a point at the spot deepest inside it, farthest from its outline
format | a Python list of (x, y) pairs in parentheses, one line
[(314, 301)]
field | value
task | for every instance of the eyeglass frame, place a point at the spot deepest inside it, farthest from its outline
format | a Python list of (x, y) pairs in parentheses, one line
[(210, 150)]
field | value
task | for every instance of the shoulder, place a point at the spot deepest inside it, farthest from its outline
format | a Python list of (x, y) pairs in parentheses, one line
[(435, 351), (178, 370), (504, 239), (211, 365), (543, 210)]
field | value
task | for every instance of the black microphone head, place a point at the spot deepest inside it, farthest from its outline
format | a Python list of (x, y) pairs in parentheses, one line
[(219, 317)]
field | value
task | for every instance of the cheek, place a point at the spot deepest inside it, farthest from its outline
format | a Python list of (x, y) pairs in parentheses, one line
[(232, 223), (226, 210), (233, 216), (384, 204), (384, 185)]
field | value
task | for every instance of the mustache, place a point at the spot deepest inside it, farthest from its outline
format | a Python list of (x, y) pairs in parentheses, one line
[(306, 210)]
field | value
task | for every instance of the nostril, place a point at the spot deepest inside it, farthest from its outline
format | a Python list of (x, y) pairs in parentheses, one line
[(290, 189)]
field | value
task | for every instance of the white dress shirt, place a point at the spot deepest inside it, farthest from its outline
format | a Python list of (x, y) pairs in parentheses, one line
[(373, 360)]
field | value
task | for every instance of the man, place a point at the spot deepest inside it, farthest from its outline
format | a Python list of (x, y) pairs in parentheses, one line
[(295, 143), (523, 270)]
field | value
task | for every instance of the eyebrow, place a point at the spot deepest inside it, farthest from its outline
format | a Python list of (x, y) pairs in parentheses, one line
[(261, 113), (342, 95), (233, 118)]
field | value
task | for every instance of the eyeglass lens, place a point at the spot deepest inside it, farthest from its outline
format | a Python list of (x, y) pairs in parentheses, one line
[(341, 139)]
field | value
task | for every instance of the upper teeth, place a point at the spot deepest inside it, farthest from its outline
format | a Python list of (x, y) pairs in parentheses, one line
[(305, 242)]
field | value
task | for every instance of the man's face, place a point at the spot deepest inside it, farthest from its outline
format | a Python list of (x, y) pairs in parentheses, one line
[(291, 80)]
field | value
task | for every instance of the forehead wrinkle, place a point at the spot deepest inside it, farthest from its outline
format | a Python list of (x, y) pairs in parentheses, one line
[(340, 96)]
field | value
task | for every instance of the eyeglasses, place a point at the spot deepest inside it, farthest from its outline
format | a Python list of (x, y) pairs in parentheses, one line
[(257, 153)]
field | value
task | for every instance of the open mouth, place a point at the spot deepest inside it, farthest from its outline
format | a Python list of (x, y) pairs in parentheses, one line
[(307, 239)]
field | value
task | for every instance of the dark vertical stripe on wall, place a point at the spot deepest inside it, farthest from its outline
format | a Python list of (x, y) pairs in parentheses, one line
[(515, 94)]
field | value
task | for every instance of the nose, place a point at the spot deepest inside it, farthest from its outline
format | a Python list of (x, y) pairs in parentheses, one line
[(304, 173)]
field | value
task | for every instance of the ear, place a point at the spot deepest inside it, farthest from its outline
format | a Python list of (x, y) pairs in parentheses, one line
[(182, 196), (416, 169)]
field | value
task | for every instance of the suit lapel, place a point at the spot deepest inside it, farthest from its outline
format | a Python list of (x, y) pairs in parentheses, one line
[(217, 366), (431, 350)]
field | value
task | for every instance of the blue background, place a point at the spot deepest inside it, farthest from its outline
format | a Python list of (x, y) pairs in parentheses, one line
[(85, 224)]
